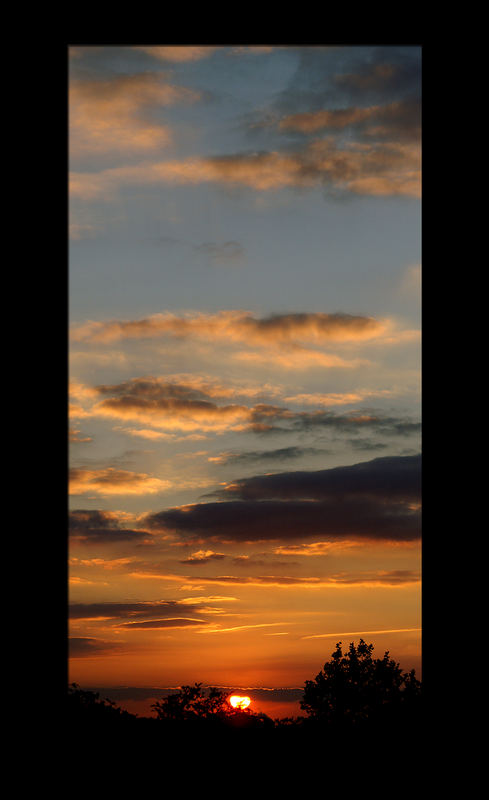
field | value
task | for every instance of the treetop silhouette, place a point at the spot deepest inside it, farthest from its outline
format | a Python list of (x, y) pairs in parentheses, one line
[(354, 688)]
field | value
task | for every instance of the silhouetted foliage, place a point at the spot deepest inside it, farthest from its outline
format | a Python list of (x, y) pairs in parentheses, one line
[(354, 699), (190, 703), (192, 706), (86, 709), (354, 689)]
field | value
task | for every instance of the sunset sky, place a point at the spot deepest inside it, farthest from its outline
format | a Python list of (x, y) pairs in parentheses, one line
[(244, 308)]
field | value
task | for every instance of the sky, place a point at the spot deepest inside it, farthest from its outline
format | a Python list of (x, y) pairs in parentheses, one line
[(244, 368)]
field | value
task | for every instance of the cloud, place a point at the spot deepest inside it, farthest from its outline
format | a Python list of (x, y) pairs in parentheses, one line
[(73, 436), (86, 647), (177, 53), (221, 252), (281, 454), (299, 358), (103, 563), (243, 627), (316, 548), (264, 418), (359, 633), (394, 477), (111, 115), (238, 326), (164, 623), (389, 72), (401, 120), (336, 398), (382, 168), (169, 406), (102, 527), (114, 481), (167, 609), (203, 557), (375, 500), (339, 77), (187, 407), (372, 579)]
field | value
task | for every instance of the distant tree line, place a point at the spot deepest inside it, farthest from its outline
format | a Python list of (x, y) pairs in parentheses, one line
[(354, 695)]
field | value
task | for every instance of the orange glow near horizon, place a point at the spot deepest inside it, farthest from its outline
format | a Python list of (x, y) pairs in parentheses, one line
[(239, 702)]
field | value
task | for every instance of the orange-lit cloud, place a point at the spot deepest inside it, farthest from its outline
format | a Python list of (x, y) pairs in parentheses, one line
[(182, 622), (237, 326), (103, 563), (298, 358), (74, 580), (74, 436), (387, 168), (312, 121), (114, 481), (337, 398), (177, 53), (203, 557), (242, 627), (187, 408), (379, 579), (170, 406), (108, 116), (402, 118), (316, 548), (146, 433)]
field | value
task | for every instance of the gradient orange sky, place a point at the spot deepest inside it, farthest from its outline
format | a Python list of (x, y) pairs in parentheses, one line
[(245, 338)]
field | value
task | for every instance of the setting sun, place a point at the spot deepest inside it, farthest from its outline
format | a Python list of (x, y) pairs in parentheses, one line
[(239, 702)]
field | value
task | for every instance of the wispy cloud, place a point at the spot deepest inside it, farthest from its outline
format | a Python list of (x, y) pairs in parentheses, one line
[(242, 627), (360, 633)]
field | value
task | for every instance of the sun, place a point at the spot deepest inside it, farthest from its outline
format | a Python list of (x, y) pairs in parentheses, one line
[(239, 702)]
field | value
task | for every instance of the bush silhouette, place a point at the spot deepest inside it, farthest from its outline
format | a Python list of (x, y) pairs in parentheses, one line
[(190, 705), (86, 709)]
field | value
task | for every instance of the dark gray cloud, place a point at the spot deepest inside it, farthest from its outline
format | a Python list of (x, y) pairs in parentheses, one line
[(101, 527), (391, 477), (367, 444), (81, 646), (281, 454), (378, 499), (264, 418), (164, 608), (182, 622), (341, 76)]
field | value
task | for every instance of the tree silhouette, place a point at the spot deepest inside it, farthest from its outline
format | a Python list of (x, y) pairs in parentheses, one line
[(193, 708), (85, 708), (190, 703), (355, 688)]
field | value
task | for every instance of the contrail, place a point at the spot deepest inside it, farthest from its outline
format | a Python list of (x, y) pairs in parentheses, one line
[(357, 633), (243, 627)]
